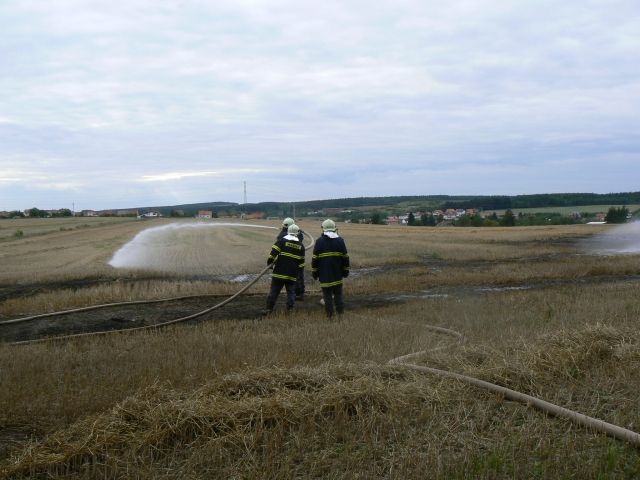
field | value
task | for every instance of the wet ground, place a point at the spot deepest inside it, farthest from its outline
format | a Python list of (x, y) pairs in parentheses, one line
[(249, 306), (245, 307)]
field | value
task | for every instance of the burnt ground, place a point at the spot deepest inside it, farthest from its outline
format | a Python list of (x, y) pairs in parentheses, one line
[(245, 307), (15, 436), (249, 307)]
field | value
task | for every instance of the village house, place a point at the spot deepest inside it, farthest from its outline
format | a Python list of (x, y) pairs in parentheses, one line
[(88, 213), (331, 211), (450, 214), (254, 216), (204, 214), (128, 212)]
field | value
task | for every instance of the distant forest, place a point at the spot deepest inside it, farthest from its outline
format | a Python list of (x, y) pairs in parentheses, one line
[(483, 202)]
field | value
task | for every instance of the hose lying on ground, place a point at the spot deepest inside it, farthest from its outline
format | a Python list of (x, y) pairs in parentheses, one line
[(148, 327), (589, 422), (107, 305), (145, 327)]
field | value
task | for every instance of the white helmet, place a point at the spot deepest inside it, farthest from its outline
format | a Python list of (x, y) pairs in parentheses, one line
[(328, 225), (287, 222), (293, 229)]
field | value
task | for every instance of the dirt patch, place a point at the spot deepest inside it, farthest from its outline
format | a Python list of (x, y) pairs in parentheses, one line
[(14, 437), (249, 307), (246, 307)]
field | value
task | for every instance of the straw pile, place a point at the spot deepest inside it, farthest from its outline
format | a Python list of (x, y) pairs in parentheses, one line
[(238, 416), (364, 420)]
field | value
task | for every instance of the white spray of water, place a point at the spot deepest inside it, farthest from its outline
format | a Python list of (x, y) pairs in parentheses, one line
[(624, 239), (157, 248)]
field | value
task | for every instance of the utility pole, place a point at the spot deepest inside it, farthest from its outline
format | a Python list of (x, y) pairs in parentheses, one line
[(244, 204)]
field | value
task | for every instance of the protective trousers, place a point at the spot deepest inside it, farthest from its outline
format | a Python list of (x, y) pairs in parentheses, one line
[(333, 295), (300, 285), (276, 286)]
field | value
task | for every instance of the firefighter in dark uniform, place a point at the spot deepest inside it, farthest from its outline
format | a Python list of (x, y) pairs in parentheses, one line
[(287, 255), (330, 264), (286, 223), (299, 288)]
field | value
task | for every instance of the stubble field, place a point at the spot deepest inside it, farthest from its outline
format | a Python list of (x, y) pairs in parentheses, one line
[(231, 395)]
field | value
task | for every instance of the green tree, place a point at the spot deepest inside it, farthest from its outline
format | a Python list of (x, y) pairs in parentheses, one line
[(63, 212), (428, 220), (37, 213), (412, 219), (617, 215), (376, 218), (508, 219)]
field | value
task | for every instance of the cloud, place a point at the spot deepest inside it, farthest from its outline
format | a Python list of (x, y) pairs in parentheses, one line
[(168, 176), (151, 99)]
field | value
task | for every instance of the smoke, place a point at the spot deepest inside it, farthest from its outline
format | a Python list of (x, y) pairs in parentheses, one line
[(624, 239), (186, 248)]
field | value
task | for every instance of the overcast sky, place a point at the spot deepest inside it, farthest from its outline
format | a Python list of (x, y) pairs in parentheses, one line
[(152, 102)]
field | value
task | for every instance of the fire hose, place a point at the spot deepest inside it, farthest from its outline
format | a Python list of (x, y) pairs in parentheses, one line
[(145, 327), (551, 409), (591, 423)]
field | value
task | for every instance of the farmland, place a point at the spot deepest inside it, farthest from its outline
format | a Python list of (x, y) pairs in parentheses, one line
[(565, 210), (232, 395)]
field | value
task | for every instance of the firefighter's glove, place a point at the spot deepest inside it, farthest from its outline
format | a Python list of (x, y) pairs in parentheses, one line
[(345, 274), (315, 275)]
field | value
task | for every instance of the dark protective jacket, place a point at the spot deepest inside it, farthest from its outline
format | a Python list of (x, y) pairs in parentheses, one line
[(330, 261), (283, 232), (288, 254)]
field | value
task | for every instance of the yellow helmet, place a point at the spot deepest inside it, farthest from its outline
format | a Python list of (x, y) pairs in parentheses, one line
[(287, 222), (293, 229), (328, 225)]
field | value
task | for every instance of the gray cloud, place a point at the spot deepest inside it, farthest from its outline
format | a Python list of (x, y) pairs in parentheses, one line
[(335, 99)]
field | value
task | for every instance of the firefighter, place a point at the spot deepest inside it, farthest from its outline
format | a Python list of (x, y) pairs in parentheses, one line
[(330, 264), (299, 288), (287, 257), (286, 223)]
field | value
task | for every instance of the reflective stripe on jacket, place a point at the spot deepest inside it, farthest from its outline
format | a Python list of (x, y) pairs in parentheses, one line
[(330, 260), (289, 257)]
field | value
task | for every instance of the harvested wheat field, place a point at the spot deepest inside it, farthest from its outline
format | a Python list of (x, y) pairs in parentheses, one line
[(230, 394)]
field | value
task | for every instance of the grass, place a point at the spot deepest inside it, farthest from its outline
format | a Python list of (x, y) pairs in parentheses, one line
[(305, 397), (565, 210), (31, 227)]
